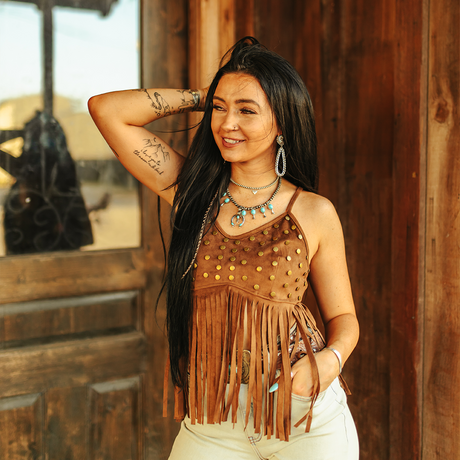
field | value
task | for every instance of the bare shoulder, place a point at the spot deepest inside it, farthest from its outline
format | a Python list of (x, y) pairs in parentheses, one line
[(317, 217)]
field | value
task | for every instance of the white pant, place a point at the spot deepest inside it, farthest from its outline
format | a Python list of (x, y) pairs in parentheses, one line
[(332, 434)]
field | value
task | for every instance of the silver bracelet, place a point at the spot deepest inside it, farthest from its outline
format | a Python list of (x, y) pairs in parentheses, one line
[(339, 357), (196, 98)]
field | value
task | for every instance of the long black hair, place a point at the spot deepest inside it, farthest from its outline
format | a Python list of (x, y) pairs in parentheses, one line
[(205, 176)]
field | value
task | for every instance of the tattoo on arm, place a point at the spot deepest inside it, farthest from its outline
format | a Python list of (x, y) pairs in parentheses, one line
[(158, 103), (154, 154), (185, 104)]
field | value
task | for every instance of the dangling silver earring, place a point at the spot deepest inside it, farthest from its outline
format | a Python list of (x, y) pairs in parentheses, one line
[(281, 153)]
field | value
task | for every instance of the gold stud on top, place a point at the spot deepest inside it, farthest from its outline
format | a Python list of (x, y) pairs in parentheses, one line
[(276, 226), (289, 273), (301, 265), (286, 232), (232, 267), (231, 277), (220, 256), (288, 258), (225, 240), (232, 259), (246, 249), (214, 233), (244, 278), (207, 257), (205, 275), (297, 280), (273, 294), (297, 288), (299, 236), (234, 250), (195, 265), (275, 238), (299, 298), (218, 267), (262, 243), (256, 287), (222, 247), (260, 253), (206, 242), (265, 232), (298, 251), (287, 218), (289, 295), (252, 238), (259, 269), (293, 227), (274, 263), (275, 249), (272, 277), (286, 242), (217, 277), (237, 242), (244, 262), (285, 285)]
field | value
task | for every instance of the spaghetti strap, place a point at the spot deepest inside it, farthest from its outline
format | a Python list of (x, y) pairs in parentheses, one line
[(293, 199)]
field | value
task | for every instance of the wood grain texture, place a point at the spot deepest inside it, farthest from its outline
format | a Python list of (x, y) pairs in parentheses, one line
[(67, 274), (21, 428), (441, 418), (71, 364), (66, 423), (47, 320), (115, 417), (408, 230)]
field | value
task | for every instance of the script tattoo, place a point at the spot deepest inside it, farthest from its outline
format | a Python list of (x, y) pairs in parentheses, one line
[(154, 154), (158, 103), (184, 104)]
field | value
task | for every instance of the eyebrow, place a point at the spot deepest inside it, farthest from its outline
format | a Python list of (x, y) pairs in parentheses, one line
[(239, 101)]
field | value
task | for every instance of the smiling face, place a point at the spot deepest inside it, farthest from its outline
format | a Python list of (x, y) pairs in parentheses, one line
[(243, 124)]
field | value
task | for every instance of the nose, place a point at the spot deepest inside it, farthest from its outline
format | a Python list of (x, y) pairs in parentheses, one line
[(230, 122)]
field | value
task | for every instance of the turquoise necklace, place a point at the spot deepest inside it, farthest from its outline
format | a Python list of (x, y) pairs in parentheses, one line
[(239, 217)]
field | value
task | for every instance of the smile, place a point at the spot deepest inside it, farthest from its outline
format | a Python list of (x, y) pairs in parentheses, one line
[(232, 141)]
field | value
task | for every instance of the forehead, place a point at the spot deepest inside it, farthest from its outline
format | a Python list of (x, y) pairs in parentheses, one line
[(236, 86)]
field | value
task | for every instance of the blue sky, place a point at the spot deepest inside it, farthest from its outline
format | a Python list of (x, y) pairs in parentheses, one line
[(92, 54)]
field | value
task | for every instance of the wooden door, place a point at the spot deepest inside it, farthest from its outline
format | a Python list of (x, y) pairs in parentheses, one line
[(82, 349)]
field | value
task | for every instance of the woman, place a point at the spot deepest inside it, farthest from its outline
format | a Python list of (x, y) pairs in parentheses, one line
[(253, 376)]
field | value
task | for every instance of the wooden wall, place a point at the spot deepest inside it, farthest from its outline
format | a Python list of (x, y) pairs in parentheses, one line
[(384, 79)]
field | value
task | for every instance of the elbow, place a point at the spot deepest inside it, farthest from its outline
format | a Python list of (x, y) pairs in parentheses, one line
[(94, 106)]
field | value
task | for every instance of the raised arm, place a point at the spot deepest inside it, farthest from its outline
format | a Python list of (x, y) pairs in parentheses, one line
[(121, 116)]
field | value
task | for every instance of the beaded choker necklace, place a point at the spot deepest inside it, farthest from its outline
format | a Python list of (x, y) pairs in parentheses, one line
[(254, 190), (242, 210)]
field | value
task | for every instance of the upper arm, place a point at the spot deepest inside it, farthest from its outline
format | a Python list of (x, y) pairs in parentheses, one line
[(145, 155), (328, 276)]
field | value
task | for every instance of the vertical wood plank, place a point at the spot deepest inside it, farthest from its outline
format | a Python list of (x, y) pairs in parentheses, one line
[(441, 417), (166, 63), (408, 230)]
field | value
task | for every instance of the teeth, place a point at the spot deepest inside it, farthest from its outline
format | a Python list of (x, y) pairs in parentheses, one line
[(231, 141)]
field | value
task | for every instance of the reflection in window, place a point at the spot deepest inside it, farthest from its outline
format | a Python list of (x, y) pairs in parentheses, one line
[(60, 186)]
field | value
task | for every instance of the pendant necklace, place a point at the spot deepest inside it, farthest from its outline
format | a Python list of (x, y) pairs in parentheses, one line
[(239, 217)]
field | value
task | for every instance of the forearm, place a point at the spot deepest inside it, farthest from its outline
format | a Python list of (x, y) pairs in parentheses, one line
[(342, 333), (142, 106)]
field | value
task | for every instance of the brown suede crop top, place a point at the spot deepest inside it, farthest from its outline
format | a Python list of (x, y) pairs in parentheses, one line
[(255, 282)]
